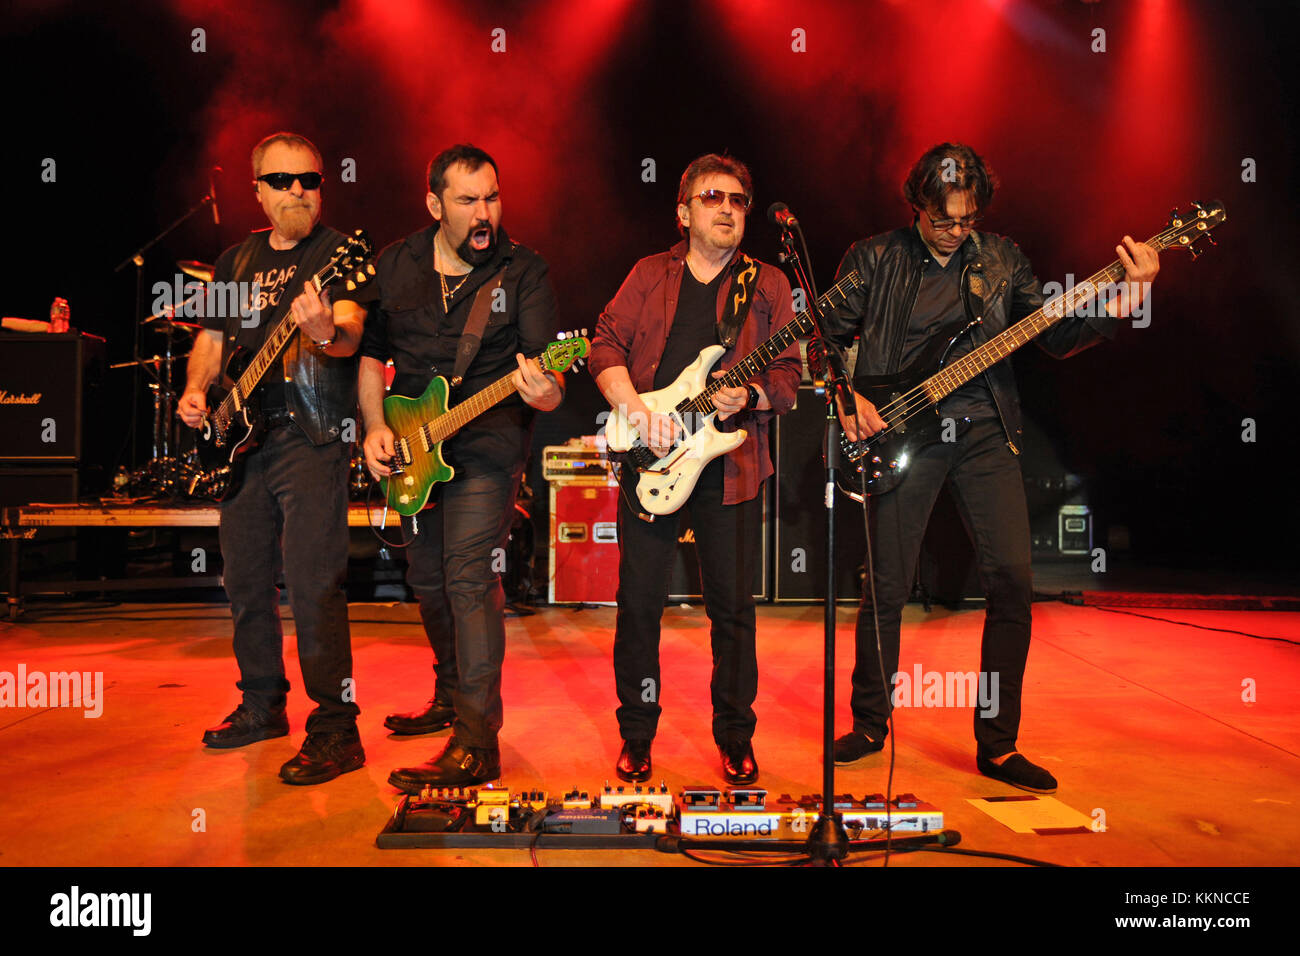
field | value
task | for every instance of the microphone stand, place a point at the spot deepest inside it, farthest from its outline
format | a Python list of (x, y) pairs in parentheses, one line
[(828, 842), (137, 259)]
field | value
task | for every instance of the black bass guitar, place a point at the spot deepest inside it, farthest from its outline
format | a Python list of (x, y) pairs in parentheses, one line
[(909, 401), (233, 426)]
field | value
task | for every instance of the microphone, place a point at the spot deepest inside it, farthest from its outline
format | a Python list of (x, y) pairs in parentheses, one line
[(212, 192), (779, 214)]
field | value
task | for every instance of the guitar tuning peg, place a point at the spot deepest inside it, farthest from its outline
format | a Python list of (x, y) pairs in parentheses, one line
[(370, 268), (1194, 251), (350, 285), (1209, 236), (584, 331), (361, 276)]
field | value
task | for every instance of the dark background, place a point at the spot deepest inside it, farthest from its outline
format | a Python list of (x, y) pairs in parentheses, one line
[(1088, 145)]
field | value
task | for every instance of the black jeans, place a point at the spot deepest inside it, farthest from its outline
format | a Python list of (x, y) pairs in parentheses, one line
[(454, 559), (727, 542), (293, 505), (986, 482)]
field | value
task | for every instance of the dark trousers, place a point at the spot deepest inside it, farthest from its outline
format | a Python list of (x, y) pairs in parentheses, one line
[(727, 542), (986, 482), (291, 514), (454, 556)]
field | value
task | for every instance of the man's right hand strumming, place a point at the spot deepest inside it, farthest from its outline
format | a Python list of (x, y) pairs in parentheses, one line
[(656, 429), (379, 450), (192, 407), (862, 425)]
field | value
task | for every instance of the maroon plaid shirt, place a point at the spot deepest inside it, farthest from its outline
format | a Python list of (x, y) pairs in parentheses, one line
[(633, 331)]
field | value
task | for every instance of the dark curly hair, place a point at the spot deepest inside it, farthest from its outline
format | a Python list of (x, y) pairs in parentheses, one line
[(945, 169)]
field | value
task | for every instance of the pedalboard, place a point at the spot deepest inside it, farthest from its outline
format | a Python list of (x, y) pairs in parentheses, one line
[(632, 817)]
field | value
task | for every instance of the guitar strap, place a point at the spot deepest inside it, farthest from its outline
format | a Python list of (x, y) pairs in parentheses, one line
[(472, 337), (744, 279)]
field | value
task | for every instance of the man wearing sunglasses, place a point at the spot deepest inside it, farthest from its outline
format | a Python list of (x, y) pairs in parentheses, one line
[(919, 284), (702, 292), (290, 513), (460, 299)]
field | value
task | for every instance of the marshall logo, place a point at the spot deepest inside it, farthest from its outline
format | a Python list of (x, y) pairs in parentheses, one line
[(22, 398)]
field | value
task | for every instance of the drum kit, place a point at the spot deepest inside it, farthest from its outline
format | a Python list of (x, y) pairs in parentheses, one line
[(173, 471)]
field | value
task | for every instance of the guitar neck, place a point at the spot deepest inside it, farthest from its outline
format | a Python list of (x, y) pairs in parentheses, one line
[(454, 419), (276, 341), (951, 377), (763, 356)]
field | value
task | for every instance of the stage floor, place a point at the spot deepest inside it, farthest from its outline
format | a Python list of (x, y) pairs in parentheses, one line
[(1142, 719)]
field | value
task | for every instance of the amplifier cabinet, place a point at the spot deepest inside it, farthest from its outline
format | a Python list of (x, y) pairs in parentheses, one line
[(40, 398), (584, 547)]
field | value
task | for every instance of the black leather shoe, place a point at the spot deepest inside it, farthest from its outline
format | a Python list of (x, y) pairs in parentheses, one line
[(456, 766), (324, 755), (245, 726), (634, 761), (853, 746), (1018, 772), (738, 764), (437, 715)]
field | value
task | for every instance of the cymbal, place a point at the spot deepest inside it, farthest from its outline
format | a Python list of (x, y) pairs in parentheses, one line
[(195, 268)]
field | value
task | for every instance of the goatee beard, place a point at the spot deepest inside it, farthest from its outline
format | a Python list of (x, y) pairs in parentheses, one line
[(477, 257)]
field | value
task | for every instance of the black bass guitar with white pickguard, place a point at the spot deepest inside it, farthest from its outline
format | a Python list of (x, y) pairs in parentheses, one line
[(909, 401), (233, 425), (667, 482)]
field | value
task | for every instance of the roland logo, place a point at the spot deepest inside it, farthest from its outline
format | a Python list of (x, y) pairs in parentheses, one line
[(729, 827)]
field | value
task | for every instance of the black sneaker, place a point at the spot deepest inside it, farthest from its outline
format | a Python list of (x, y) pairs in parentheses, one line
[(245, 726), (1018, 772), (325, 755), (853, 746)]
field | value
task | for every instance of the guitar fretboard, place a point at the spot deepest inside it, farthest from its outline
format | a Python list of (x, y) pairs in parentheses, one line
[(948, 379), (271, 348), (765, 354), (454, 419)]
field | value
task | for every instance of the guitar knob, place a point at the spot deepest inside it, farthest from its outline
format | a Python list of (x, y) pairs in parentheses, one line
[(875, 459), (893, 465), (875, 474)]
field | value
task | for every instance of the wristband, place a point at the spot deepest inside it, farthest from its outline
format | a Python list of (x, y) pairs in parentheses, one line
[(753, 397)]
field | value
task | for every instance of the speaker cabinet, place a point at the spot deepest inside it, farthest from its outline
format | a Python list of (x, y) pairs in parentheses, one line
[(40, 398)]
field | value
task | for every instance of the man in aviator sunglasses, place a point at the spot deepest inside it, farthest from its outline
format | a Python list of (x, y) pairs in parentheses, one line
[(290, 512), (703, 292)]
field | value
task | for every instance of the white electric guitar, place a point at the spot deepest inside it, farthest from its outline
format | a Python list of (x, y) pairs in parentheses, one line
[(667, 482)]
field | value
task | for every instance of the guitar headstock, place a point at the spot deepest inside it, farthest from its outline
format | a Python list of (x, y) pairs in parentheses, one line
[(350, 262), (568, 350), (1186, 228)]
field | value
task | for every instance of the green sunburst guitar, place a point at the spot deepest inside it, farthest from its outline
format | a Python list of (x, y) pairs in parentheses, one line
[(421, 425)]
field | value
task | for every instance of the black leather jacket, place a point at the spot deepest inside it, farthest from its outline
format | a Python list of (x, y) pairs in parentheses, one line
[(998, 287)]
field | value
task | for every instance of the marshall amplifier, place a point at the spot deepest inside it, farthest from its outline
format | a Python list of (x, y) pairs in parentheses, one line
[(40, 398)]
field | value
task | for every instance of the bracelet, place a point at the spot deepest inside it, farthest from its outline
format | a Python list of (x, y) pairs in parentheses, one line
[(322, 346)]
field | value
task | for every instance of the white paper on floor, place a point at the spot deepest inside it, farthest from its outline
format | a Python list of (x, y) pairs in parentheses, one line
[(1045, 816)]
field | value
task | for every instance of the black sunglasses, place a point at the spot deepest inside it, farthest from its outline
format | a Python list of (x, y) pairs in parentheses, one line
[(283, 181)]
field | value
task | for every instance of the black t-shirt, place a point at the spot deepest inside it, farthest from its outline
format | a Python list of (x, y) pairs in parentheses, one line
[(695, 325), (938, 312)]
